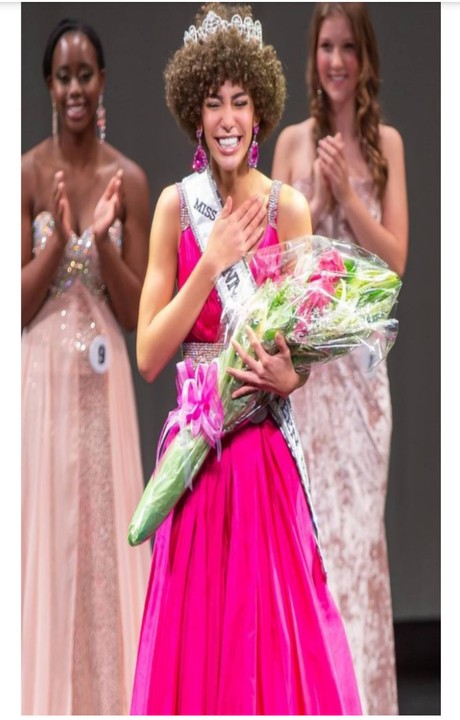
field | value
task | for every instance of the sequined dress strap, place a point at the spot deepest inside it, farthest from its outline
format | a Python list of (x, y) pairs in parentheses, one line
[(273, 201), (184, 218)]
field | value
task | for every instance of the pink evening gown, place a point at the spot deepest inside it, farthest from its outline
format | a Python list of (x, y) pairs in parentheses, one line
[(344, 420), (238, 617), (83, 587)]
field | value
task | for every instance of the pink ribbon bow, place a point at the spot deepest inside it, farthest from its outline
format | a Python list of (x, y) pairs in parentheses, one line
[(198, 404)]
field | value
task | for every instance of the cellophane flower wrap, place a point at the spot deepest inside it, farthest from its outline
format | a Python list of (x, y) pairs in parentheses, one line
[(325, 297)]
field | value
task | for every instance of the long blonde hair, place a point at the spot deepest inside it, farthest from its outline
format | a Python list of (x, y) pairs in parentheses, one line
[(368, 113)]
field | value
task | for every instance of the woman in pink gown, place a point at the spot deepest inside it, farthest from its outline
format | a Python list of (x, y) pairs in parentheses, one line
[(238, 617), (85, 215), (351, 169)]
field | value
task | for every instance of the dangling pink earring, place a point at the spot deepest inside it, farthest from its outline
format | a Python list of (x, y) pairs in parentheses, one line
[(101, 120), (200, 160), (253, 152)]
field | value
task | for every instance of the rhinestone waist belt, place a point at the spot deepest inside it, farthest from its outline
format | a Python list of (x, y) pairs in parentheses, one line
[(202, 352)]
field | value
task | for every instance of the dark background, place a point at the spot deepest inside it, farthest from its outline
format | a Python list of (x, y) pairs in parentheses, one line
[(138, 39)]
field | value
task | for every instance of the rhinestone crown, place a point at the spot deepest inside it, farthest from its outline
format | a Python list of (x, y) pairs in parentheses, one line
[(247, 27)]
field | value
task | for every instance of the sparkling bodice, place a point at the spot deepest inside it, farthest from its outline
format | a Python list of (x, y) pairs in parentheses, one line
[(80, 260)]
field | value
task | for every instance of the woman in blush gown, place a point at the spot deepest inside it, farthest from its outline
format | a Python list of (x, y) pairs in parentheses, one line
[(85, 215), (238, 617), (351, 169)]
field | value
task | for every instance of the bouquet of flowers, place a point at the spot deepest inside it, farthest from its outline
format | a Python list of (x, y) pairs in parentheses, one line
[(325, 297)]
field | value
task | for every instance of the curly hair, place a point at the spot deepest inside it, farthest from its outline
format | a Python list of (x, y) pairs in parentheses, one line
[(200, 68), (368, 114)]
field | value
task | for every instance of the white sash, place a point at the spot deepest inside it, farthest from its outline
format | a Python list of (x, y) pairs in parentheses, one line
[(203, 205)]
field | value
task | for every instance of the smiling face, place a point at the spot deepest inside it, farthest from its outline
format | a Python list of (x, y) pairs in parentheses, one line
[(337, 60), (76, 82), (228, 122)]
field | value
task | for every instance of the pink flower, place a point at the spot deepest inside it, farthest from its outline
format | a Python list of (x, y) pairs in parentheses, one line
[(331, 264), (266, 266), (320, 293)]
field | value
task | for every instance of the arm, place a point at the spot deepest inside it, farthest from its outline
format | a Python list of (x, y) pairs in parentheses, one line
[(38, 272), (294, 219), (166, 319), (388, 239), (127, 193)]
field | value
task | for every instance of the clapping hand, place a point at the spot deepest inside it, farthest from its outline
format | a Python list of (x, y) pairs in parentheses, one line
[(61, 208), (321, 188), (110, 206), (333, 164)]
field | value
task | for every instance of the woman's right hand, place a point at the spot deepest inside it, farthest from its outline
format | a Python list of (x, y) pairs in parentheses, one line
[(61, 208), (111, 205), (322, 195), (235, 233), (331, 151)]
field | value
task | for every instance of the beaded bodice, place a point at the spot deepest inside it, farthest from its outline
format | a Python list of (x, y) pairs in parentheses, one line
[(80, 260)]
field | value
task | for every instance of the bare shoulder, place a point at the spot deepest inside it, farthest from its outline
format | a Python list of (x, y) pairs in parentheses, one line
[(293, 214), (27, 178), (27, 161), (292, 136), (27, 172), (133, 175), (35, 157), (169, 198), (165, 230), (391, 140), (168, 204), (292, 201), (294, 152), (34, 165)]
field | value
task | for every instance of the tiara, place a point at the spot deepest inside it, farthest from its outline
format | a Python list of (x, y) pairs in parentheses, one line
[(249, 29)]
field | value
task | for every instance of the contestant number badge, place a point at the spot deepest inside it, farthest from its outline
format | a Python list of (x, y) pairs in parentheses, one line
[(99, 355)]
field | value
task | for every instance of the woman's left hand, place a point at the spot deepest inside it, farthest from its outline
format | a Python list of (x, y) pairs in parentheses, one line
[(270, 373), (109, 207), (331, 152)]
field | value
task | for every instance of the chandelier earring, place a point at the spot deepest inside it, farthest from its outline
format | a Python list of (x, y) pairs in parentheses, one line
[(101, 119), (54, 121), (200, 160), (253, 152)]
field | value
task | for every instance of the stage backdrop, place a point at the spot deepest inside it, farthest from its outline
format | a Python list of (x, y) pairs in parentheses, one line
[(138, 39)]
